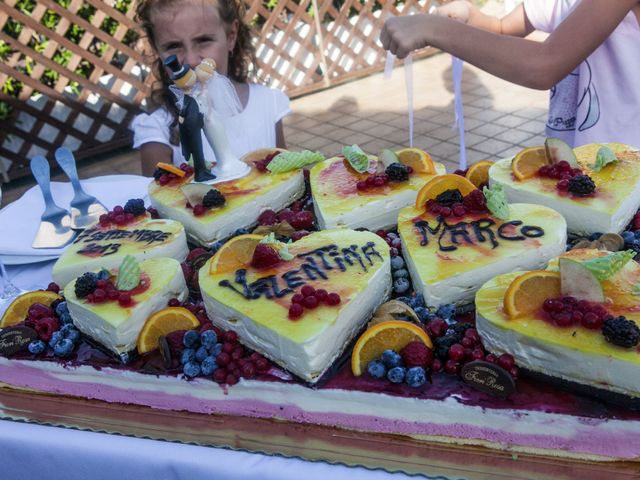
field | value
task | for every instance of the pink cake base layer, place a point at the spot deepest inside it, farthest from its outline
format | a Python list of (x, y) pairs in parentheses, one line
[(587, 435)]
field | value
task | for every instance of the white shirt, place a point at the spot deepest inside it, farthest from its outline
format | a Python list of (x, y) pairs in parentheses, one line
[(600, 100), (251, 129)]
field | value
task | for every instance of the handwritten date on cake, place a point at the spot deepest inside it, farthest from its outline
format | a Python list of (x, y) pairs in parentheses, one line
[(101, 243), (488, 378), (450, 236), (316, 264)]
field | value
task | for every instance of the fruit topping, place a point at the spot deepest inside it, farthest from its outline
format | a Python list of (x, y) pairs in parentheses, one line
[(397, 172), (449, 197), (135, 206), (569, 312), (478, 173), (576, 280), (604, 157), (265, 256), (496, 201), (557, 150), (310, 298), (287, 161), (262, 164), (358, 160), (528, 162), (373, 181), (419, 160), (166, 173), (417, 354), (162, 323), (86, 284), (128, 274), (234, 254), (620, 331), (527, 292), (213, 198), (581, 185), (27, 304), (171, 169), (441, 184)]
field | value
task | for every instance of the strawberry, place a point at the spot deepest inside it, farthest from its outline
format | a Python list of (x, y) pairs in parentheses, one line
[(302, 220), (264, 256)]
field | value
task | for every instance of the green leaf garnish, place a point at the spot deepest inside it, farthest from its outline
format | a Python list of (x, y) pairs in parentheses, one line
[(604, 157), (128, 274), (358, 160), (287, 161), (607, 266), (497, 201)]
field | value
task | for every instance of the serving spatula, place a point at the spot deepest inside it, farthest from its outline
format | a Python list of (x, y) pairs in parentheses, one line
[(85, 208), (55, 224)]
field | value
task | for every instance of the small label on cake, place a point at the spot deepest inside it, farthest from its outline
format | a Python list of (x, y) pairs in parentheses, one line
[(16, 339), (488, 378)]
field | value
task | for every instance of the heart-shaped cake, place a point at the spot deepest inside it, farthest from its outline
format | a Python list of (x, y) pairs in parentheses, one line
[(105, 245), (452, 244), (551, 322), (236, 203), (299, 304), (343, 197), (115, 320), (609, 207)]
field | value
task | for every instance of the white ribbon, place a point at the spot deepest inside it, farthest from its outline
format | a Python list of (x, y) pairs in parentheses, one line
[(456, 68), (408, 80)]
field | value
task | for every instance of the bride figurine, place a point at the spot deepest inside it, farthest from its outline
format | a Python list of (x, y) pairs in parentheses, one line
[(203, 98)]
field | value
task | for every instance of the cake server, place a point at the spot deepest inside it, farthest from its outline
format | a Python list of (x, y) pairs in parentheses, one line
[(55, 223), (85, 208)]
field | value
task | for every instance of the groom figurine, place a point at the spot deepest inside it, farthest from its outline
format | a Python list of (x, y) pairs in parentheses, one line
[(190, 119)]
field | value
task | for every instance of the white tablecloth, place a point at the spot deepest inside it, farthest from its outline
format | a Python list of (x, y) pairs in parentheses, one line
[(39, 452)]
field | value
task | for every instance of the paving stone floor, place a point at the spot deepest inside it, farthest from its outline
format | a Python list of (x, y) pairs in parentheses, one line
[(500, 119)]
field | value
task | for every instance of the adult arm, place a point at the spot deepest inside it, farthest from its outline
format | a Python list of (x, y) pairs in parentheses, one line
[(532, 64), (151, 153)]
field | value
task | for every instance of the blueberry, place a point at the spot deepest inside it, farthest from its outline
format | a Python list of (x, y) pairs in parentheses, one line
[(191, 369), (104, 274), (391, 359), (628, 236), (446, 312), (73, 335), (62, 308), (415, 377), (36, 347), (402, 273), (240, 231), (63, 348), (208, 339), (637, 233), (419, 300), (190, 339), (217, 349), (65, 318), (396, 374), (66, 328), (187, 355), (397, 263), (595, 236), (376, 369), (405, 300), (401, 285), (208, 365), (423, 313), (215, 246), (55, 338), (392, 236), (201, 354)]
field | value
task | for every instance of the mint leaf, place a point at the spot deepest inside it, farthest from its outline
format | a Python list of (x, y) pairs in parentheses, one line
[(497, 201), (358, 160), (605, 267), (287, 161), (128, 274), (604, 157)]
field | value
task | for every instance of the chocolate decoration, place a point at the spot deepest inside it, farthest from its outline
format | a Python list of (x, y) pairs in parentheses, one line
[(165, 351), (488, 378), (16, 339)]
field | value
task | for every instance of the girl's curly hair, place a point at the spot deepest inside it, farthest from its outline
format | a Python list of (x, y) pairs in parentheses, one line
[(240, 59)]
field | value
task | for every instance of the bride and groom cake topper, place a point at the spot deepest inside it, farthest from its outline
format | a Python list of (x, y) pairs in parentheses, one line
[(203, 97)]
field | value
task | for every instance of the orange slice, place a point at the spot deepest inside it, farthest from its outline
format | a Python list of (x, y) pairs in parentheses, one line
[(19, 308), (478, 173), (527, 162), (527, 292), (419, 160), (171, 169), (162, 323), (440, 184), (236, 253), (393, 335)]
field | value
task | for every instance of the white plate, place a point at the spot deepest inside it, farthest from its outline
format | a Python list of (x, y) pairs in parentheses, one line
[(25, 259)]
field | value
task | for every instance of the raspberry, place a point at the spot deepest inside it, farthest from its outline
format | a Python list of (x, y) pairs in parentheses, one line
[(248, 370), (230, 336), (53, 287), (219, 375), (39, 310), (438, 327), (264, 256), (310, 302), (195, 253), (124, 299), (198, 210), (295, 311), (297, 235), (302, 220), (456, 352), (262, 364), (223, 359), (285, 215), (268, 217), (333, 299), (307, 291), (417, 354), (297, 298), (506, 361), (45, 327)]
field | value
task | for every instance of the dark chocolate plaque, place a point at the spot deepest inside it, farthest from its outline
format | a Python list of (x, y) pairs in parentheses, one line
[(16, 339), (488, 378)]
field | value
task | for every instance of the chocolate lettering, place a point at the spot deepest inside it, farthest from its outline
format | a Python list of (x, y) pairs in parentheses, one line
[(311, 269), (97, 250), (349, 253), (92, 236), (532, 231), (502, 234), (483, 226), (293, 279), (369, 250)]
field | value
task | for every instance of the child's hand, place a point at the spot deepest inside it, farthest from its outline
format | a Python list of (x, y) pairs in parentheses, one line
[(402, 35), (459, 10)]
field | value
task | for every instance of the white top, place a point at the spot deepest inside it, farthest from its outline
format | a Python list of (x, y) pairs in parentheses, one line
[(253, 128), (599, 101)]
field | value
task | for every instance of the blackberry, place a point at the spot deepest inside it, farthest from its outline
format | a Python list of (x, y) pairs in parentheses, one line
[(620, 331), (449, 197), (397, 172), (581, 185), (213, 198), (157, 173), (135, 206), (86, 284), (458, 329), (442, 345)]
